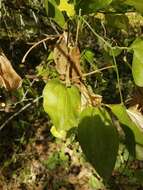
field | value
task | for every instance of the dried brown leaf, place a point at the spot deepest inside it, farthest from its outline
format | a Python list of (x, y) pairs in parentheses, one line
[(67, 58), (8, 76)]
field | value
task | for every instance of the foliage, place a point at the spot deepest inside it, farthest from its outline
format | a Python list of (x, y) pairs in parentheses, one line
[(96, 124), (90, 123), (91, 63)]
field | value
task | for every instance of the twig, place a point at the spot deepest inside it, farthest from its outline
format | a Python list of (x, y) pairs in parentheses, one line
[(26, 92), (50, 37), (118, 77), (97, 71), (94, 72), (97, 35), (116, 12), (21, 110), (78, 26), (23, 99)]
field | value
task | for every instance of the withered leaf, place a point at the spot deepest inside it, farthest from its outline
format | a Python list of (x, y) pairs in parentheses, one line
[(60, 55), (67, 58), (8, 76), (75, 64)]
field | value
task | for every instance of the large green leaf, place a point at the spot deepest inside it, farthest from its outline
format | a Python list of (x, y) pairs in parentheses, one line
[(137, 65), (91, 6), (123, 117), (53, 12), (98, 139), (138, 4), (62, 104)]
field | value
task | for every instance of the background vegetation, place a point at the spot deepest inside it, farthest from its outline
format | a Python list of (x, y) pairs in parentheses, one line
[(33, 154)]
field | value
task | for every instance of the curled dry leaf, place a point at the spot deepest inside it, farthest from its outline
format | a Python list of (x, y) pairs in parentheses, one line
[(136, 116), (67, 58), (60, 56), (8, 76)]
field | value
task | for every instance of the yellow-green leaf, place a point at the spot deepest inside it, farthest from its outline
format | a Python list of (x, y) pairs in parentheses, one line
[(62, 104), (65, 6), (137, 65), (53, 12)]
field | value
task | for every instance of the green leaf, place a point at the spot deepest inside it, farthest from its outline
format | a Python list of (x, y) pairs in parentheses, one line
[(53, 12), (137, 4), (123, 117), (88, 55), (67, 7), (137, 65), (91, 6), (62, 104), (98, 139), (58, 134)]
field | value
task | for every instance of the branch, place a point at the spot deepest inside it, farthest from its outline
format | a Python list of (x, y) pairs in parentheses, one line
[(50, 37)]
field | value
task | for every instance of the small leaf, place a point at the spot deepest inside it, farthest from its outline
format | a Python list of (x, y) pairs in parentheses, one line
[(99, 140), (62, 104), (137, 65), (88, 55), (65, 6), (53, 12), (58, 134)]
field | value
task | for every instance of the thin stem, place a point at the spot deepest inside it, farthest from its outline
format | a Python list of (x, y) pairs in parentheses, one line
[(122, 48), (118, 78), (94, 72), (97, 71), (78, 26), (116, 12), (102, 39), (51, 37), (97, 35)]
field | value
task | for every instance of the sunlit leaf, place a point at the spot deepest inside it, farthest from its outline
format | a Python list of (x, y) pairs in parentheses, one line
[(137, 65), (62, 104), (65, 6), (53, 12), (58, 134), (98, 139)]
